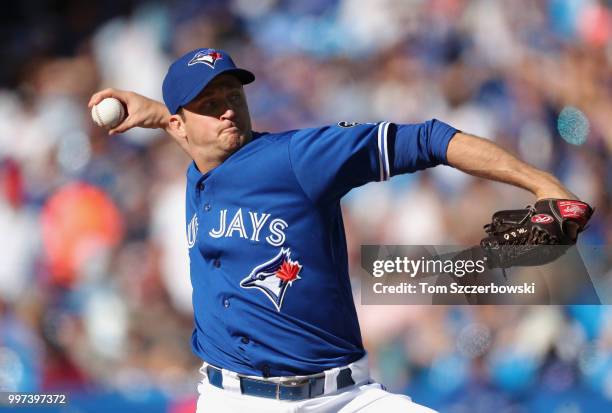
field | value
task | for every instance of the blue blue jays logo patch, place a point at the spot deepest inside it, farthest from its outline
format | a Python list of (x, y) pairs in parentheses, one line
[(273, 277), (209, 57)]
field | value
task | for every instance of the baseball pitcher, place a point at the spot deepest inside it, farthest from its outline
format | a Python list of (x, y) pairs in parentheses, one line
[(275, 323)]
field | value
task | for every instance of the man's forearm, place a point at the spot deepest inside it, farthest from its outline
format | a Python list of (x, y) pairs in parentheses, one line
[(149, 113), (485, 159)]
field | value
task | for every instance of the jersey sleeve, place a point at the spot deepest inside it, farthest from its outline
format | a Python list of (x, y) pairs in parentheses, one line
[(419, 146), (330, 161)]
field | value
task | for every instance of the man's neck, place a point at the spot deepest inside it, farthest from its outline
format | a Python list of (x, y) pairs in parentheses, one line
[(206, 165)]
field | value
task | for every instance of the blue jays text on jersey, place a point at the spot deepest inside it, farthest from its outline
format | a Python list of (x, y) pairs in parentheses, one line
[(268, 259), (236, 227)]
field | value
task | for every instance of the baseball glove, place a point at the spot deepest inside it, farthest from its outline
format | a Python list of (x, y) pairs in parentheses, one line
[(536, 235)]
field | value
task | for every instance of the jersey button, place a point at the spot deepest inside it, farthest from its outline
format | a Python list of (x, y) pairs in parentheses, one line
[(207, 207), (245, 340), (217, 263), (226, 303), (201, 186)]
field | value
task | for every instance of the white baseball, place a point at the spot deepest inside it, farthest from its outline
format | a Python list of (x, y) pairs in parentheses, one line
[(108, 113)]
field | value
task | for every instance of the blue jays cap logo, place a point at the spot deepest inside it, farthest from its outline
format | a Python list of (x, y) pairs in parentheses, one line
[(208, 57), (273, 277)]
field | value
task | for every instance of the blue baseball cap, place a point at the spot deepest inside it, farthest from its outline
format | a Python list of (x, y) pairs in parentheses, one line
[(190, 73)]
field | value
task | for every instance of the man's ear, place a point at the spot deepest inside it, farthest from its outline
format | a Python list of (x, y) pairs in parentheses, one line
[(176, 129)]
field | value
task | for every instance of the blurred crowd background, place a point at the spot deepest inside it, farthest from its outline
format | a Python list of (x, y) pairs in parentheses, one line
[(94, 287)]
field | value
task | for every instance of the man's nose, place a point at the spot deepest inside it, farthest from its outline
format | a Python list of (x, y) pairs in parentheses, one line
[(229, 114)]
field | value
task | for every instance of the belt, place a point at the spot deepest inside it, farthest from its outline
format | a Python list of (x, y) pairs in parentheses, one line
[(293, 388)]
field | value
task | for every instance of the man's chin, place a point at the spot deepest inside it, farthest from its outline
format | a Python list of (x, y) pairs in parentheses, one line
[(234, 141)]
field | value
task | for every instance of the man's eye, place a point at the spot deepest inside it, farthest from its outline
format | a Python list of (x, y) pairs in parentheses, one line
[(209, 105), (236, 97)]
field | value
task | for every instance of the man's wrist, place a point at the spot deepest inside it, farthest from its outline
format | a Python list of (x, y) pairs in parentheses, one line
[(546, 185), (552, 188), (163, 116)]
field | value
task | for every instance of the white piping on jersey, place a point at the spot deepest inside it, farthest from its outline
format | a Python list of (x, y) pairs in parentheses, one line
[(383, 153), (387, 169)]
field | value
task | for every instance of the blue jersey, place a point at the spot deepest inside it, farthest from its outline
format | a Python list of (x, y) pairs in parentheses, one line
[(268, 259)]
